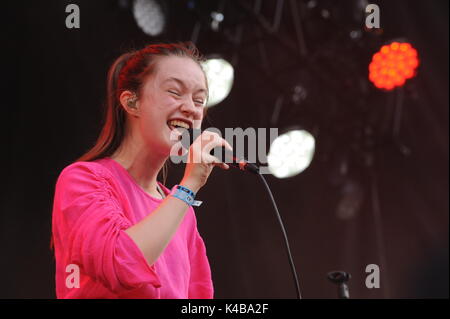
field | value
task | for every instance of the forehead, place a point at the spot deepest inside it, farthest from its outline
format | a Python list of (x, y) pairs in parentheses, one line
[(182, 68)]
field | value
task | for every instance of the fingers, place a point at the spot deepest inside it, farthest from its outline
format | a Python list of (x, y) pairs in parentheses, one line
[(203, 145), (209, 159), (211, 140)]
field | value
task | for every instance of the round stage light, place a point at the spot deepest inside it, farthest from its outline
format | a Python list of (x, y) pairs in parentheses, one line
[(149, 16), (220, 75), (393, 65), (291, 153)]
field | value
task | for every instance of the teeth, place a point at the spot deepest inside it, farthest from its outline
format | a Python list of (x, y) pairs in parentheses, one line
[(178, 123)]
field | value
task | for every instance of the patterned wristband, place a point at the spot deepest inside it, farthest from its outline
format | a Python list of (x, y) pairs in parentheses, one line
[(185, 194)]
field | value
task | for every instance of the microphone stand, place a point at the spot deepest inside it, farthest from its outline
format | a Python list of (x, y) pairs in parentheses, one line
[(340, 278)]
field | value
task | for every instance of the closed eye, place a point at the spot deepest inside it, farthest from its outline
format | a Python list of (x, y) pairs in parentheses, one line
[(174, 93)]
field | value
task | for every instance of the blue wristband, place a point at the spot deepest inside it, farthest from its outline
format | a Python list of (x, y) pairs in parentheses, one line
[(185, 194)]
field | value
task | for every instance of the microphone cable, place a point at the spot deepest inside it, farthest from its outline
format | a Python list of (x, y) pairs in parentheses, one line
[(252, 168), (283, 230)]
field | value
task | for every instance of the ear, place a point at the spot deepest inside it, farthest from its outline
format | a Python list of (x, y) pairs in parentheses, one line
[(130, 103)]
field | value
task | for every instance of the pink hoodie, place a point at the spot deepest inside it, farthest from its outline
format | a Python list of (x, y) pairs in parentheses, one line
[(94, 203)]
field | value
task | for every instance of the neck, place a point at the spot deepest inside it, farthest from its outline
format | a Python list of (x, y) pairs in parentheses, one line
[(142, 163)]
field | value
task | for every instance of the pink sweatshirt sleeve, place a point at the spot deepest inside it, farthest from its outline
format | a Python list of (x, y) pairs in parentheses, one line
[(90, 224), (200, 284)]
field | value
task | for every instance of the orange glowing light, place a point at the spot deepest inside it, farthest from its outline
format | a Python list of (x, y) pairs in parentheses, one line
[(393, 65)]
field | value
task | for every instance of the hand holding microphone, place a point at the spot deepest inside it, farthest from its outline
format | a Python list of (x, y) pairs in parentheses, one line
[(227, 154), (201, 146), (200, 164), (200, 161)]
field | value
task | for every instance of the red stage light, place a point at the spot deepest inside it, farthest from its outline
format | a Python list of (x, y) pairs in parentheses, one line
[(393, 65)]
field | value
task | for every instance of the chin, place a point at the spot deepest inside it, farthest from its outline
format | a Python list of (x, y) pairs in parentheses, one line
[(161, 142)]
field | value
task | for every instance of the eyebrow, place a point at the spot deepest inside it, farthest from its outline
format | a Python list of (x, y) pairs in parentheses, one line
[(181, 82)]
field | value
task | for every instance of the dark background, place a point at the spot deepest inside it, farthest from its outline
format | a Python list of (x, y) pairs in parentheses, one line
[(372, 194)]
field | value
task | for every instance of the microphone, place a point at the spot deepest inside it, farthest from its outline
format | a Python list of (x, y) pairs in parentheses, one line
[(188, 136)]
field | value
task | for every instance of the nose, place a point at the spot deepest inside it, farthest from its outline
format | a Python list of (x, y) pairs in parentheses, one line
[(188, 108)]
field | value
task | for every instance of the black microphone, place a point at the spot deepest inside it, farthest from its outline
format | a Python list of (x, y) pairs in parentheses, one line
[(187, 138), (189, 135)]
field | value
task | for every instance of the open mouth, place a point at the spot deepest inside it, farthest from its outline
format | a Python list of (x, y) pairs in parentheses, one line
[(173, 124)]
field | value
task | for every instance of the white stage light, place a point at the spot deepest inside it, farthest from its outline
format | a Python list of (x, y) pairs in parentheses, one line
[(149, 16), (220, 76), (291, 153)]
